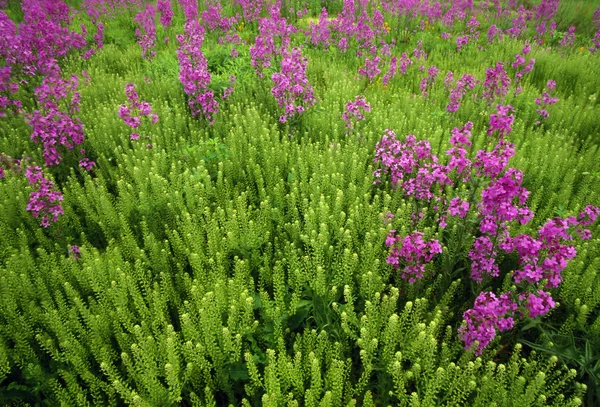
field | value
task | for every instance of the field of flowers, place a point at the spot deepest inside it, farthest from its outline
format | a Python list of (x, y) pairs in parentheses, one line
[(300, 203)]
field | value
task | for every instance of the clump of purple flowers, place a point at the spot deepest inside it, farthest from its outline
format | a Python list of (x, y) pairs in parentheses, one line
[(98, 40), (569, 37), (44, 201), (147, 34), (497, 83), (190, 9), (132, 114), (428, 81), (7, 89), (371, 68), (166, 12), (355, 111), (465, 83), (485, 214), (488, 314), (274, 38), (193, 72), (51, 126), (461, 41), (412, 253), (291, 87)]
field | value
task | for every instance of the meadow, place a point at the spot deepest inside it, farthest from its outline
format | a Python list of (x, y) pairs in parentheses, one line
[(300, 203)]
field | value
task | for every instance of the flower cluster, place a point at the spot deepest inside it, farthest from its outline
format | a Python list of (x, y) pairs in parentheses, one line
[(521, 68), (355, 111), (493, 33), (501, 202), (291, 87), (45, 200), (461, 41), (546, 100), (7, 89), (546, 10), (193, 72), (41, 38), (51, 126), (488, 314), (132, 114), (190, 9), (410, 164), (519, 23), (273, 39), (320, 33), (370, 69), (428, 81), (569, 37), (541, 259), (213, 19), (465, 83), (405, 62), (166, 12), (147, 34), (413, 253), (251, 8), (497, 83), (393, 69), (595, 42), (98, 40)]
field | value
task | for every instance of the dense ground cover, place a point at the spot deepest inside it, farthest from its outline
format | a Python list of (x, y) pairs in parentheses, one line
[(322, 203)]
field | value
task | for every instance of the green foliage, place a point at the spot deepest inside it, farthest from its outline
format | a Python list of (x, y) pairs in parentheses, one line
[(245, 263)]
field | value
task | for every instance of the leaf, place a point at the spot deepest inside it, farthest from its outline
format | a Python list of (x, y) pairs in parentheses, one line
[(237, 371), (303, 303), (298, 318), (532, 324)]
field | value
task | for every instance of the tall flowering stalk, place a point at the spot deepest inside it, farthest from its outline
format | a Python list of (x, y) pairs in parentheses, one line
[(291, 87), (546, 100), (132, 114), (98, 40), (193, 72), (320, 33), (273, 39), (146, 32), (213, 19), (413, 253), (45, 199), (569, 37), (251, 8), (371, 69), (521, 68), (8, 88), (497, 83), (190, 9), (428, 81), (166, 12), (51, 126), (355, 112), (463, 85)]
